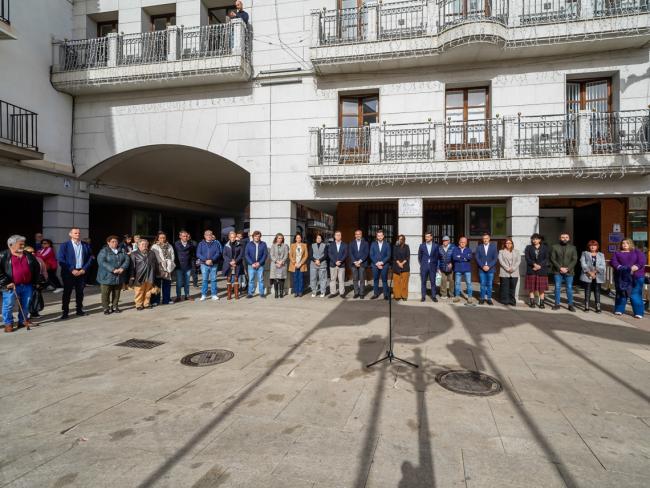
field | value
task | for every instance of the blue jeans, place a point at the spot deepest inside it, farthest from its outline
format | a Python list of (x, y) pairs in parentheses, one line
[(209, 274), (24, 293), (183, 282), (486, 278), (458, 277), (254, 274), (558, 287), (297, 282), (376, 274), (636, 297)]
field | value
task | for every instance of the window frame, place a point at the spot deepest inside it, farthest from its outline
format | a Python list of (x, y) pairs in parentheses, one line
[(168, 15), (104, 23), (582, 102)]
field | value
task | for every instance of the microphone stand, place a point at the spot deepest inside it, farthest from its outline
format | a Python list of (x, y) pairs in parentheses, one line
[(390, 356)]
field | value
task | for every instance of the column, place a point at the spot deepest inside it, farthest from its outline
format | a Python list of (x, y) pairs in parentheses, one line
[(522, 220), (409, 223), (316, 28), (440, 153), (372, 22), (111, 58), (173, 39), (584, 133), (273, 216), (62, 212)]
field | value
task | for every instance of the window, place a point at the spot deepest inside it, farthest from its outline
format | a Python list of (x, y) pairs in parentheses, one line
[(356, 113), (485, 218), (468, 128), (105, 28), (379, 216), (161, 22), (594, 95)]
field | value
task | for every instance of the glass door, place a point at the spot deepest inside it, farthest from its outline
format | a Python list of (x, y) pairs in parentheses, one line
[(356, 115)]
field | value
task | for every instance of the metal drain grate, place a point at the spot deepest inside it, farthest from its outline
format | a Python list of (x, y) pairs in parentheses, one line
[(140, 344), (469, 383), (208, 358)]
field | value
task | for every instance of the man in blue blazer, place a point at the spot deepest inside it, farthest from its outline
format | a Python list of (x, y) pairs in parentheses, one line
[(380, 259), (428, 259), (337, 254), (486, 258), (359, 251), (75, 258)]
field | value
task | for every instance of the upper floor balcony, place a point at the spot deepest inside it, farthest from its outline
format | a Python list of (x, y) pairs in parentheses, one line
[(401, 34), (6, 32), (18, 132), (173, 57), (578, 144)]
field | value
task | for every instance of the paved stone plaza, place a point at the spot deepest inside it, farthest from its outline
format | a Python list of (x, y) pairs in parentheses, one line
[(295, 407)]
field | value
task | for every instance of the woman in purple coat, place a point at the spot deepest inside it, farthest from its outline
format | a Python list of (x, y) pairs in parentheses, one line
[(629, 269)]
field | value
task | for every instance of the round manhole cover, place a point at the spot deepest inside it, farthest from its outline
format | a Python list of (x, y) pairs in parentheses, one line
[(208, 358), (469, 383)]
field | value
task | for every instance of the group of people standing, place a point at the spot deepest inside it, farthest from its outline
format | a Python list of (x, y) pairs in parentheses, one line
[(444, 267)]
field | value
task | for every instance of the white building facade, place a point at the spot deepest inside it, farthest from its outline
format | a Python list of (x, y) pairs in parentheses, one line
[(454, 116)]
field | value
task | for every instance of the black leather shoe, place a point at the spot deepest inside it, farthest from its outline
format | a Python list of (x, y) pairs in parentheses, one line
[(356, 295), (139, 309), (435, 299), (361, 297), (481, 301), (374, 297), (81, 313), (423, 299), (64, 316), (107, 312), (333, 295), (555, 307), (490, 302), (572, 308), (117, 310)]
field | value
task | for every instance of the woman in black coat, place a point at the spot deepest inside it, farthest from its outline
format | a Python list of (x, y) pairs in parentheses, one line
[(537, 259), (233, 268)]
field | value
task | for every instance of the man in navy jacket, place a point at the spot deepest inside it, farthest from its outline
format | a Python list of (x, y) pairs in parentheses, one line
[(337, 254), (486, 258), (208, 252), (428, 259), (75, 258), (359, 251), (380, 259), (255, 255)]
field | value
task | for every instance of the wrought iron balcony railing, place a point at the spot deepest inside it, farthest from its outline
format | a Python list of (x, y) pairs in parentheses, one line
[(4, 11), (405, 19), (579, 134), (174, 44), (18, 126)]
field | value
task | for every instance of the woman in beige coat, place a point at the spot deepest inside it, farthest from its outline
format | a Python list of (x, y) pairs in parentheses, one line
[(298, 255), (509, 261)]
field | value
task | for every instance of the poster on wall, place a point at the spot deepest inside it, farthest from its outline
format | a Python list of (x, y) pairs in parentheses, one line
[(480, 220), (498, 221), (616, 228), (615, 237)]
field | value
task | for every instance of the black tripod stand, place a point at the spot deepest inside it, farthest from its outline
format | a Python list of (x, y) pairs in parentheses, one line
[(390, 356)]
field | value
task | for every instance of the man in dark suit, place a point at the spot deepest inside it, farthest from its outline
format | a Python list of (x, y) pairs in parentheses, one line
[(380, 254), (337, 254), (486, 258), (428, 259), (75, 258), (359, 251)]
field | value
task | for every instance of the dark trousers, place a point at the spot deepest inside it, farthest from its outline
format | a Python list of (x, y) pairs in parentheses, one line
[(165, 291), (359, 279), (376, 274), (110, 296), (507, 288), (589, 287), (430, 275), (76, 283), (53, 279)]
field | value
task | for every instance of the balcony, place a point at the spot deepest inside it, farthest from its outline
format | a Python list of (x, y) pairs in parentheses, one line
[(178, 56), (412, 33), (581, 144), (18, 133), (6, 32)]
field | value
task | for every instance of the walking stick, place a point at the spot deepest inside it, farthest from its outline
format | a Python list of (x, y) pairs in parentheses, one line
[(26, 321)]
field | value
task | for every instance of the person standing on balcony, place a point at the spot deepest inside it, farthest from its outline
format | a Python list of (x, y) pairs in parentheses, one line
[(509, 261), (298, 255), (564, 257), (337, 254), (402, 269), (255, 255), (380, 254), (486, 258), (462, 259), (593, 265), (536, 254), (318, 267), (208, 252), (20, 272), (629, 264), (446, 267), (428, 256), (239, 12), (359, 251), (75, 258)]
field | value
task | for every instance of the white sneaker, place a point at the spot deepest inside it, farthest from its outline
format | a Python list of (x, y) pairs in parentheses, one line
[(57, 290), (323, 296), (215, 297), (203, 298), (313, 295), (618, 313)]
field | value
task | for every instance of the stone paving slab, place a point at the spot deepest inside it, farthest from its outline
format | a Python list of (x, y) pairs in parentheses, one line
[(296, 406)]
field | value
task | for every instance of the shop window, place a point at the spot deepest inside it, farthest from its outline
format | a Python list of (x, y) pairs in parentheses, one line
[(481, 218)]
